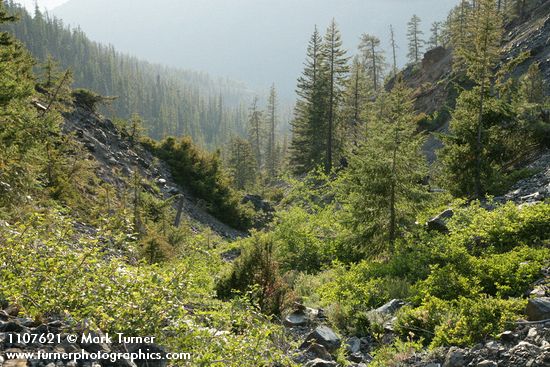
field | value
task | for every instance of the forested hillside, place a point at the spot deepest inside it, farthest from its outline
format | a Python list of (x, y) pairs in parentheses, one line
[(341, 245), (171, 101)]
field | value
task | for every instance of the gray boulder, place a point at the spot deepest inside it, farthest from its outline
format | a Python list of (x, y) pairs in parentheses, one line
[(296, 318), (354, 344), (325, 336), (318, 351), (439, 222), (317, 362), (538, 309), (391, 307), (454, 358)]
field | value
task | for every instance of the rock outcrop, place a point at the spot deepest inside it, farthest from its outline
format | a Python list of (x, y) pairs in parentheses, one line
[(118, 158)]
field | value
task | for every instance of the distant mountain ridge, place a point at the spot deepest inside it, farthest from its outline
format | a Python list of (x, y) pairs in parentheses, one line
[(171, 101), (257, 41)]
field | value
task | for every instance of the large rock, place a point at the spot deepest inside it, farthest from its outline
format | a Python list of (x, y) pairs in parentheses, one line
[(296, 318), (538, 309), (318, 351), (439, 222), (325, 336), (391, 307), (317, 362), (354, 344), (454, 358)]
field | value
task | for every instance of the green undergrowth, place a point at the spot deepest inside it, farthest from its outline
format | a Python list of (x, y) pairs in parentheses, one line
[(461, 287), (48, 270)]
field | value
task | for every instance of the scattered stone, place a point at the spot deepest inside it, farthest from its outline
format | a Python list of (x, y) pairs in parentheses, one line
[(318, 351), (507, 336), (12, 327), (454, 358), (354, 344), (317, 362), (487, 363), (15, 363), (391, 307), (538, 309), (324, 336), (296, 318), (94, 347), (439, 222)]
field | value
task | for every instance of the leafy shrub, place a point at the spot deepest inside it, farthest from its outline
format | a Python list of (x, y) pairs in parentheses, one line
[(306, 241), (461, 322), (448, 283), (394, 354), (351, 293), (500, 230), (510, 274), (45, 269), (476, 319)]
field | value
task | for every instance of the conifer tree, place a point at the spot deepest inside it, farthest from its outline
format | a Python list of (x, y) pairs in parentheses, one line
[(21, 151), (307, 148), (336, 71), (414, 35), (532, 87), (458, 23), (477, 56), (271, 154), (242, 164), (382, 188), (256, 132), (373, 60), (355, 100), (435, 38)]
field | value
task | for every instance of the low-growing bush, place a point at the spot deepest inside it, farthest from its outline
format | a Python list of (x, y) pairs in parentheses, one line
[(46, 269), (463, 321)]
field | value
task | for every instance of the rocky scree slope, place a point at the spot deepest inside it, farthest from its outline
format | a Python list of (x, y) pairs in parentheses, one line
[(526, 343), (432, 80), (118, 159)]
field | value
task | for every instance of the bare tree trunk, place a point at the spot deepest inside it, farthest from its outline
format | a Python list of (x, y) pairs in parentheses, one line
[(177, 221), (375, 76), (328, 162), (392, 229)]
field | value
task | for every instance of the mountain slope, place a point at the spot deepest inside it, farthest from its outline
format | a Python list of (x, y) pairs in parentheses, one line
[(116, 160), (271, 36), (171, 101), (433, 83)]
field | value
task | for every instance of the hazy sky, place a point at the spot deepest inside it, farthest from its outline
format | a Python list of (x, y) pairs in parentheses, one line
[(256, 41), (48, 4)]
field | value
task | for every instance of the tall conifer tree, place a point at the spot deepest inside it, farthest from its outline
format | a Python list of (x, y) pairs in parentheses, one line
[(336, 64), (414, 35), (307, 148)]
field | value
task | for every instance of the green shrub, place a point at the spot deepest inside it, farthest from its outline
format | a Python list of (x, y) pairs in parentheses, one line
[(306, 241), (511, 273), (462, 322), (500, 230), (449, 283), (476, 319), (47, 270)]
